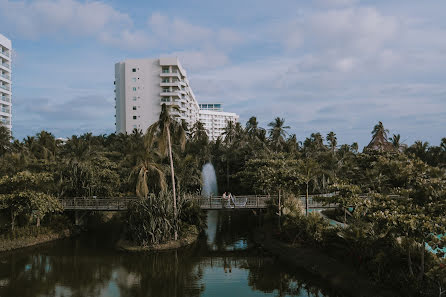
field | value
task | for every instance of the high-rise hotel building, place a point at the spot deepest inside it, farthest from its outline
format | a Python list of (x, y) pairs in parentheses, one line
[(143, 85), (5, 82), (215, 119)]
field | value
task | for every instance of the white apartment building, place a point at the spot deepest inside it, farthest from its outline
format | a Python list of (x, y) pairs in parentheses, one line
[(215, 119), (5, 82), (143, 85)]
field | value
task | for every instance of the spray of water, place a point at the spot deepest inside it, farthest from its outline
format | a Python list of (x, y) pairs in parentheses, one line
[(209, 180)]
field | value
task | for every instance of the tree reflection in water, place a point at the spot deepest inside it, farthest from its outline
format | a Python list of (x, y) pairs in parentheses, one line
[(89, 267)]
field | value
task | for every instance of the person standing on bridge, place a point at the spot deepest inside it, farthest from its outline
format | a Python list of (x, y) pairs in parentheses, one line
[(224, 199)]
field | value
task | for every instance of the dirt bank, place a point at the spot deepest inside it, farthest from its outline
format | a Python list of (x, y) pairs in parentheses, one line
[(9, 245), (187, 239), (339, 275)]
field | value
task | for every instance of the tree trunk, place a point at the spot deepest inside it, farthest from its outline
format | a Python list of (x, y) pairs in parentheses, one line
[(38, 222), (345, 215), (172, 172), (227, 173), (12, 220), (280, 213), (409, 263), (306, 202), (421, 274)]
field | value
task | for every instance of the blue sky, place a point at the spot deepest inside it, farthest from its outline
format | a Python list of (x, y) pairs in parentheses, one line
[(323, 65)]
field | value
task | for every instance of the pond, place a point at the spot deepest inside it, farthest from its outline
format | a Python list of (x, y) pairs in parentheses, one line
[(224, 262)]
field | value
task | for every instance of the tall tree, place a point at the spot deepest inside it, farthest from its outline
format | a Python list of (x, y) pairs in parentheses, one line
[(277, 132), (161, 132), (309, 170), (5, 140), (332, 141)]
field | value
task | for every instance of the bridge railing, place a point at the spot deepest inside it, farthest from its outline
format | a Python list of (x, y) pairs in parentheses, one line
[(246, 201), (81, 203)]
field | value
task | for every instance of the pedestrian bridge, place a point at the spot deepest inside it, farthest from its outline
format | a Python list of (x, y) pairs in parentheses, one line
[(207, 203)]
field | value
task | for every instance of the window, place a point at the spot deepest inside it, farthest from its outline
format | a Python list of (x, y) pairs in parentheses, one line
[(134, 79), (165, 80), (134, 70), (134, 107), (165, 89), (134, 98), (134, 88), (134, 126), (165, 69), (134, 117)]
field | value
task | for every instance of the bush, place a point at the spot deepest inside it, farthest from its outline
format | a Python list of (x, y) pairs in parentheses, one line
[(190, 212), (151, 221)]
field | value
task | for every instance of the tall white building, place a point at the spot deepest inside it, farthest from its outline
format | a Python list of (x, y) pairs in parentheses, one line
[(5, 82), (143, 85), (215, 119)]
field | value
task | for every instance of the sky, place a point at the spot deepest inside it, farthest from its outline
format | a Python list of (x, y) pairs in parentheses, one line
[(322, 65)]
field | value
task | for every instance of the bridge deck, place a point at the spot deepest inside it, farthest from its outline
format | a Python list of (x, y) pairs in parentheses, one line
[(206, 203)]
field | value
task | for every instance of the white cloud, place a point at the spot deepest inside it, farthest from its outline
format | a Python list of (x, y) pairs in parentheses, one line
[(201, 60), (178, 32), (61, 17)]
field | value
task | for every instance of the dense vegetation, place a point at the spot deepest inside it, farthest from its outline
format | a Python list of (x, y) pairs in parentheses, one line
[(391, 195)]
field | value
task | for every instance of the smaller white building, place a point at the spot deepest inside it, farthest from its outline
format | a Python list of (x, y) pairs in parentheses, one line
[(5, 82), (215, 119)]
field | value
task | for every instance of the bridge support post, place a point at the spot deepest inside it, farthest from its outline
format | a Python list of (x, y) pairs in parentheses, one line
[(78, 217)]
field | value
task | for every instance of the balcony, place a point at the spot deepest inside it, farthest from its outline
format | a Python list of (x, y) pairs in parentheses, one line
[(170, 74), (8, 77), (169, 93), (5, 87), (4, 64), (5, 98), (5, 110), (5, 53), (170, 84), (5, 121)]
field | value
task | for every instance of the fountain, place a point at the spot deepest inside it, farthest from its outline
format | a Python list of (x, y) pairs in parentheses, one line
[(209, 180)]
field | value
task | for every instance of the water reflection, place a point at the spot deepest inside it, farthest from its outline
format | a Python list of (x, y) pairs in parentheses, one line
[(223, 263)]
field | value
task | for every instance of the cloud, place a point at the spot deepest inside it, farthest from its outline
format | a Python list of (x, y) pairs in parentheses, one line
[(205, 59), (75, 116), (95, 19), (178, 32)]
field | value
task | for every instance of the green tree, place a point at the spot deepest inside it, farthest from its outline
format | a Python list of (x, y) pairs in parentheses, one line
[(27, 193), (277, 133), (161, 133), (332, 141)]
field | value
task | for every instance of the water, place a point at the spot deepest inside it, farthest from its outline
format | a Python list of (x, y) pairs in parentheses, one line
[(209, 180), (224, 262)]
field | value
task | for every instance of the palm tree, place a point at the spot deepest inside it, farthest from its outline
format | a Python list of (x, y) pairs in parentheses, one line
[(160, 132), (332, 140), (309, 170), (144, 168), (354, 147), (395, 140), (420, 149), (277, 132), (229, 132), (443, 144), (5, 140)]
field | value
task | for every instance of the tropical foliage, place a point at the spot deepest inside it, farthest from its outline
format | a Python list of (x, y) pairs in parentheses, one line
[(391, 195)]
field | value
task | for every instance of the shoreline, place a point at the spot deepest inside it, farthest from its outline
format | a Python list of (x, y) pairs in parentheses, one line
[(339, 275), (188, 239), (25, 242)]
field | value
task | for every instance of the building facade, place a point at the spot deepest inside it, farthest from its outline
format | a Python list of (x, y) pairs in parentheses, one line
[(143, 85), (215, 119), (5, 82)]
